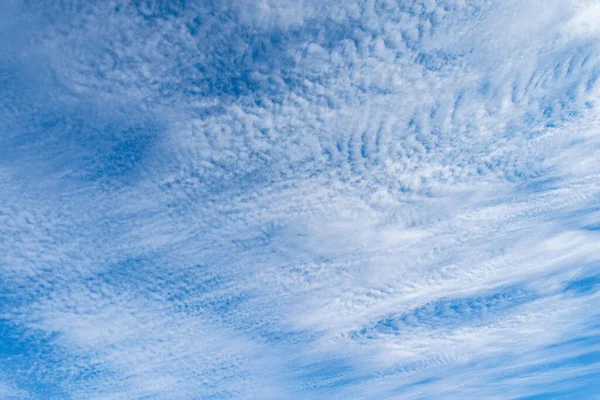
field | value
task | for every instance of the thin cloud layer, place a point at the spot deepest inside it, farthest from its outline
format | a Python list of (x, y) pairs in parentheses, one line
[(276, 199)]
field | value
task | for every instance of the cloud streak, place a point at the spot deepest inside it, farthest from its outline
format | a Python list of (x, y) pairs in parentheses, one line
[(274, 199)]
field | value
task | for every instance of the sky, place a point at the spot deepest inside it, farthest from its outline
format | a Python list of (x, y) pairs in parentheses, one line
[(317, 199)]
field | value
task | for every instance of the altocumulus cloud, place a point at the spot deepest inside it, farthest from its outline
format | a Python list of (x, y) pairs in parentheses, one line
[(277, 199)]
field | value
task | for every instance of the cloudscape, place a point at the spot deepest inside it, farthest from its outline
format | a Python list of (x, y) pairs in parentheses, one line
[(299, 199)]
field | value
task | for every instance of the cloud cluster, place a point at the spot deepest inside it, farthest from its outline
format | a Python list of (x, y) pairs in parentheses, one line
[(278, 199)]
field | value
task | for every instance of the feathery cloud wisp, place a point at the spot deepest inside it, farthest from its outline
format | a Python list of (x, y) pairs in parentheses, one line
[(276, 199)]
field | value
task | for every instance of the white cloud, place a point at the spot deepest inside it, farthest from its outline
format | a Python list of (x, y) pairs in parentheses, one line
[(585, 21), (302, 199)]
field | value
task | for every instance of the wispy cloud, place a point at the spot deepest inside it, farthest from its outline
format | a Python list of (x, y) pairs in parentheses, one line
[(275, 199)]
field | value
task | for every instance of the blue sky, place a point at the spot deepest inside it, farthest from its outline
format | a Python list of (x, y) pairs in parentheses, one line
[(275, 199)]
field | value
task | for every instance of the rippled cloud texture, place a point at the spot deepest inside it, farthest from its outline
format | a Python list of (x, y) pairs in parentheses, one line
[(275, 199)]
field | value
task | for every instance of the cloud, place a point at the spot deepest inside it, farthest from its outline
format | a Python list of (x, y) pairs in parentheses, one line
[(282, 199), (582, 23)]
